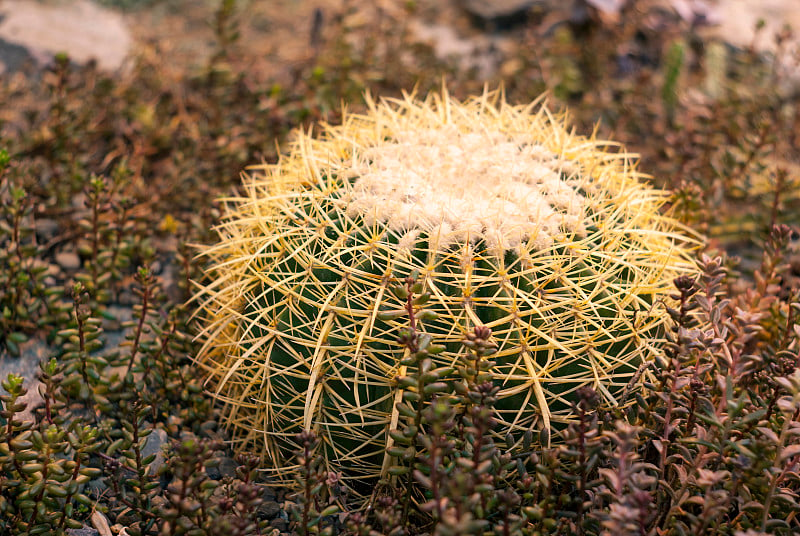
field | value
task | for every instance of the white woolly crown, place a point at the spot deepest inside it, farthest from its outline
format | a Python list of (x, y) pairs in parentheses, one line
[(458, 185)]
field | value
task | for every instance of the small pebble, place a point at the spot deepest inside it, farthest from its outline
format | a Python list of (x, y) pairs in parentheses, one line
[(269, 494), (125, 518), (280, 524), (68, 260), (226, 467), (502, 13), (46, 229), (96, 488), (153, 445), (268, 510), (83, 531), (187, 435)]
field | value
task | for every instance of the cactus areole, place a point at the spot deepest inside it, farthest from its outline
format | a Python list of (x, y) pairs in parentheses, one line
[(510, 219)]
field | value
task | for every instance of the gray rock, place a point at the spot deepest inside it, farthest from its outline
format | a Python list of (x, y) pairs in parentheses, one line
[(187, 435), (169, 282), (499, 14), (126, 517), (81, 28), (13, 57), (158, 503), (280, 524), (68, 260), (46, 228), (481, 52), (268, 510), (155, 441), (225, 468), (269, 493), (95, 488), (116, 315), (127, 298), (26, 365), (83, 531)]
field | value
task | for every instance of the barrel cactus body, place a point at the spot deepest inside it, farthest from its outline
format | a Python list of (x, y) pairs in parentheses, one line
[(511, 221)]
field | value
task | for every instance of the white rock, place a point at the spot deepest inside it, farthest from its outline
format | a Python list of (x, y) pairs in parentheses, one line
[(80, 28), (734, 22), (611, 7), (68, 260), (27, 366), (738, 19)]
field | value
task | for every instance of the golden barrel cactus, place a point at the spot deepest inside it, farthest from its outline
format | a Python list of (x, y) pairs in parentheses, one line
[(510, 219)]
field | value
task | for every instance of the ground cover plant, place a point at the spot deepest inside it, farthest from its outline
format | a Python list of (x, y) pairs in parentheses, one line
[(107, 182)]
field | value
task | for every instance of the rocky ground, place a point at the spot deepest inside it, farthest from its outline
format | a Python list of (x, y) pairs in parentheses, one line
[(285, 31)]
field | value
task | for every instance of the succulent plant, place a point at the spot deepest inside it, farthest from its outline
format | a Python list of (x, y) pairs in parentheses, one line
[(510, 220)]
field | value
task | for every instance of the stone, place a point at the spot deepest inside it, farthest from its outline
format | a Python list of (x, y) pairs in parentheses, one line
[(82, 29), (158, 503), (738, 20), (155, 441), (96, 488), (607, 6), (187, 435), (269, 493), (609, 10), (224, 468), (735, 22), (125, 518), (68, 260), (83, 531), (26, 365), (481, 53), (115, 317), (13, 57), (100, 522), (498, 14), (280, 524), (268, 510), (46, 228)]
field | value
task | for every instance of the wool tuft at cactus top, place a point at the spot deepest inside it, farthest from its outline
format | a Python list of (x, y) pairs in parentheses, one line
[(551, 239)]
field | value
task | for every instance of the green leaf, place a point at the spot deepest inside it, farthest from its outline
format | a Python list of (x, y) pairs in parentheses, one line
[(400, 292), (391, 315), (329, 511), (436, 387), (406, 411), (396, 452), (426, 314), (30, 468), (398, 437), (404, 382), (17, 337), (398, 470), (55, 490), (12, 348), (91, 472)]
